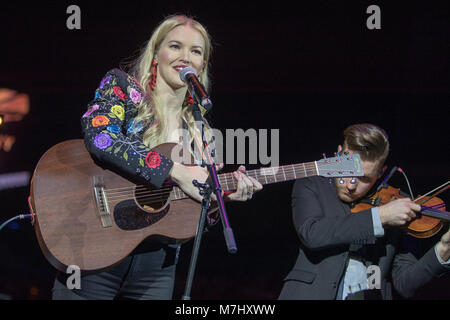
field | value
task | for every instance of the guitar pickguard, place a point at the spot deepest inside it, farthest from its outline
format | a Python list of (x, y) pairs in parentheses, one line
[(129, 216)]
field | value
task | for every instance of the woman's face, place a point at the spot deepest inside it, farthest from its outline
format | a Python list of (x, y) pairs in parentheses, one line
[(182, 47)]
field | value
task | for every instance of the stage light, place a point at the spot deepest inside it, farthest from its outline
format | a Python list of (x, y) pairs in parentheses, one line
[(14, 180), (1, 120)]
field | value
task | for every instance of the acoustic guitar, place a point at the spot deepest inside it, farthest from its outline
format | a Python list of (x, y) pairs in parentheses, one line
[(92, 217)]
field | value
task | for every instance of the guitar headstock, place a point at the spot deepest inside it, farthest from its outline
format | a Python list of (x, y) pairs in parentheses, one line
[(343, 166)]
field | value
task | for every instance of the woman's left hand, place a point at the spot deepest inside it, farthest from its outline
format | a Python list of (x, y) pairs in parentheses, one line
[(246, 186)]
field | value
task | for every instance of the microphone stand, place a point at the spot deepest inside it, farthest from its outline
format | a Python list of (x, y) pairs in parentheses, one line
[(383, 183), (205, 190)]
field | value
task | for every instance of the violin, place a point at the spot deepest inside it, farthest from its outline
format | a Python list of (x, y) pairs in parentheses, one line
[(429, 221)]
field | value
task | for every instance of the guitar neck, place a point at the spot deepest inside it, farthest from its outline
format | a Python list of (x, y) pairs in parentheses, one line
[(346, 166), (272, 174), (264, 175)]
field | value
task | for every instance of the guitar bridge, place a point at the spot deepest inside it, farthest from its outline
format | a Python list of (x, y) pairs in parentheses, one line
[(102, 202)]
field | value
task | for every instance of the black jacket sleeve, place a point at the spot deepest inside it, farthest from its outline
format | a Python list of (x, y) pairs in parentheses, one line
[(319, 223), (410, 274)]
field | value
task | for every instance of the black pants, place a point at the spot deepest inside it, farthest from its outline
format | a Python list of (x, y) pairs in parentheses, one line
[(146, 274)]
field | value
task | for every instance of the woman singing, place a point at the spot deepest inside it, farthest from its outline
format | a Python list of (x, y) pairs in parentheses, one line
[(137, 111)]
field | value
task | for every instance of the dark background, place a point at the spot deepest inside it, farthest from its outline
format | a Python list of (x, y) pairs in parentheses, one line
[(309, 69)]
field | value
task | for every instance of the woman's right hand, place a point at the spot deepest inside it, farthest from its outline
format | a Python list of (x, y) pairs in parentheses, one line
[(184, 175)]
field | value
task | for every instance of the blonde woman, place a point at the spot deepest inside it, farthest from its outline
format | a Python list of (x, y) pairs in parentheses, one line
[(131, 114)]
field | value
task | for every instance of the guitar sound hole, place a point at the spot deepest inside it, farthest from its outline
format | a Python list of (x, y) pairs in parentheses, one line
[(151, 200), (148, 207), (129, 216)]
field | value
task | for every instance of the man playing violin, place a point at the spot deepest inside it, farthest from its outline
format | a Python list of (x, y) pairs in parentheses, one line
[(337, 246)]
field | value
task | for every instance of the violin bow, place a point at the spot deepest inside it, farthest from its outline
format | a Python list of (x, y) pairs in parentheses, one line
[(435, 194), (434, 208)]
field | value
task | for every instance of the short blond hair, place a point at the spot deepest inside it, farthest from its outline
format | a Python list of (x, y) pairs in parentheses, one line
[(368, 140)]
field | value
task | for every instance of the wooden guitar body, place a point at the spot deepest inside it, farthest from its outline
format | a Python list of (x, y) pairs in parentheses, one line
[(68, 224)]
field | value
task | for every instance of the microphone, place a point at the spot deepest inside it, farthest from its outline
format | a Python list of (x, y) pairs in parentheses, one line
[(195, 88)]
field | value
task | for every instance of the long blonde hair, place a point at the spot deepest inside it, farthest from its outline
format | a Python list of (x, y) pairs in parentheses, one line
[(151, 111)]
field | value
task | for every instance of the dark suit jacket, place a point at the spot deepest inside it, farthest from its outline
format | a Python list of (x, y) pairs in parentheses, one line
[(327, 228)]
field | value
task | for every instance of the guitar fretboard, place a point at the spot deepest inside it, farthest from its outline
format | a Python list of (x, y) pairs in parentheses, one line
[(269, 175)]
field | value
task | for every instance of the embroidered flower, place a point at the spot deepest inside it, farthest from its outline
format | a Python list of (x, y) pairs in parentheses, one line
[(152, 160), (100, 121), (102, 141), (118, 111), (135, 129), (113, 128), (92, 109), (119, 92), (135, 96), (104, 81)]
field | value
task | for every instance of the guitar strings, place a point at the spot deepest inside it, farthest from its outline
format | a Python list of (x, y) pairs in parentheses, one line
[(149, 195), (229, 175), (161, 194), (229, 179), (142, 192)]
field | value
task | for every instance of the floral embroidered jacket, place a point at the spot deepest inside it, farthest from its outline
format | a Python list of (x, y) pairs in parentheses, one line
[(108, 131)]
